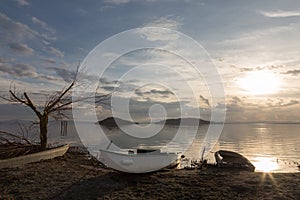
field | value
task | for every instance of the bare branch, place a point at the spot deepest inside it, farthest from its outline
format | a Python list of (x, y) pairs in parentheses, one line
[(6, 99), (13, 136), (55, 99), (30, 104), (15, 98), (61, 107)]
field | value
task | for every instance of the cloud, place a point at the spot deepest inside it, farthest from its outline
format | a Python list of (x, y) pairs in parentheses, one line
[(270, 38), (109, 88), (244, 39), (294, 72), (22, 2), (48, 78), (236, 99), (42, 24), (139, 109), (236, 107), (120, 2), (162, 34), (55, 51), (106, 7), (21, 48), (204, 101), (250, 69), (66, 75), (18, 70), (291, 103), (231, 107), (249, 109), (153, 92), (13, 32), (109, 4), (2, 60), (117, 2), (279, 102), (49, 60), (280, 13), (69, 75), (165, 22), (16, 35)]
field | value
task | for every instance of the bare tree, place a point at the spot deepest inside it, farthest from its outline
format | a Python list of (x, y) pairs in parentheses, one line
[(56, 105)]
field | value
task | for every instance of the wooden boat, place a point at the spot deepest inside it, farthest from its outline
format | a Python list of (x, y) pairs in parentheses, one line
[(34, 157), (230, 159), (139, 161)]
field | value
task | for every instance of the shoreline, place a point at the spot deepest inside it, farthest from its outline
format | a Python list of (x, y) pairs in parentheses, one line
[(79, 176)]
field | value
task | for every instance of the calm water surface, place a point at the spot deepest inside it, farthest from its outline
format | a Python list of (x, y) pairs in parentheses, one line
[(270, 147)]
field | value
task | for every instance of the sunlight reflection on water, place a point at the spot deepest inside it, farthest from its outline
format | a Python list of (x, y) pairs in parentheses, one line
[(265, 164)]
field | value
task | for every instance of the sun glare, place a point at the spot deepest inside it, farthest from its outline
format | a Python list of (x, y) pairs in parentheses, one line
[(265, 164), (261, 82)]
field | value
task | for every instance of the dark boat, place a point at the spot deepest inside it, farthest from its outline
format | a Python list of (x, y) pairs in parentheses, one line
[(233, 160)]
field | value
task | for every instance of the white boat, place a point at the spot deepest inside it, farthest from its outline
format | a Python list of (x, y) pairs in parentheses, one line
[(139, 161), (34, 157)]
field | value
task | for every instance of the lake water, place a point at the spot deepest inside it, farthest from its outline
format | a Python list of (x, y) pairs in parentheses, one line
[(270, 147)]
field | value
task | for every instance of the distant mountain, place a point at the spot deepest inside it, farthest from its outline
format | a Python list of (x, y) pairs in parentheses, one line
[(111, 122), (184, 121)]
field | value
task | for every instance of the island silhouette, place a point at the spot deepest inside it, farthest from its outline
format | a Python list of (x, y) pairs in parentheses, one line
[(114, 122)]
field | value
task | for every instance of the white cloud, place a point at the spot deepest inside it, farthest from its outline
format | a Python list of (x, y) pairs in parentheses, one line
[(165, 22), (42, 24), (280, 13), (261, 47), (22, 2), (250, 37), (162, 34)]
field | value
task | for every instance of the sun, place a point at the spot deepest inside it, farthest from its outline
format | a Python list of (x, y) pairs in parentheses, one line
[(260, 82), (265, 164)]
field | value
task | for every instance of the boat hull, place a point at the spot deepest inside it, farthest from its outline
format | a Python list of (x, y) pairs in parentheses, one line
[(233, 160), (34, 157), (138, 163)]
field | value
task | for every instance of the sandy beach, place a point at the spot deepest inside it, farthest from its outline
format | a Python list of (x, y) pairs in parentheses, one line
[(78, 176)]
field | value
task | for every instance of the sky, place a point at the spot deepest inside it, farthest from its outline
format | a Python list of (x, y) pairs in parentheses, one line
[(254, 46)]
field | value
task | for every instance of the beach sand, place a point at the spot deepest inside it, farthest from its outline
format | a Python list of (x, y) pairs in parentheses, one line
[(78, 176)]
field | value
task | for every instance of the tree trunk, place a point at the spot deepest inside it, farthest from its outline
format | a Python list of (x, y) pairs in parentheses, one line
[(43, 131)]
